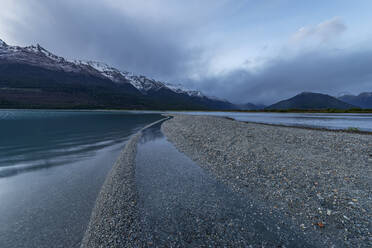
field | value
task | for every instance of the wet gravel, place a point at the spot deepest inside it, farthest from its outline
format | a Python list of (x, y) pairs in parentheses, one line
[(115, 221), (180, 205), (317, 182)]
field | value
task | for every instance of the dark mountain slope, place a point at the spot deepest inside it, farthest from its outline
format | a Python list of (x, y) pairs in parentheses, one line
[(250, 106), (32, 77), (308, 100), (363, 100), (45, 88)]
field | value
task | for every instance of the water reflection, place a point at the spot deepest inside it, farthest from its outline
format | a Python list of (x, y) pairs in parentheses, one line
[(52, 165), (182, 206), (37, 136), (152, 133)]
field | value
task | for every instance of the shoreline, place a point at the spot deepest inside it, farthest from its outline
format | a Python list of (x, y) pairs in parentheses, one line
[(115, 212), (319, 178), (354, 131), (367, 111), (350, 129)]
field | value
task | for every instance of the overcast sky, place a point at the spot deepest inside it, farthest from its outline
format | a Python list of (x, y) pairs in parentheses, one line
[(240, 50)]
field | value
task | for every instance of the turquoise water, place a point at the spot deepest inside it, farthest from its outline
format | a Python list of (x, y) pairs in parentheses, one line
[(52, 165)]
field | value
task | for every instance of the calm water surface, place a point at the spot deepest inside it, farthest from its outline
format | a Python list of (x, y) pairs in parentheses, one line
[(330, 121), (52, 165)]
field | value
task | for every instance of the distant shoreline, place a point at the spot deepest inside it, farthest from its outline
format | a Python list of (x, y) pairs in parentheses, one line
[(331, 111), (349, 130)]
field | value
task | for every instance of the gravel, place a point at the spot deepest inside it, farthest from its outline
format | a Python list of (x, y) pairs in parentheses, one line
[(115, 221), (321, 180), (181, 205)]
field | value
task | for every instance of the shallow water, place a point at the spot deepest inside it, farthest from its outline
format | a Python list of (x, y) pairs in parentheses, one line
[(52, 166), (182, 206), (330, 121)]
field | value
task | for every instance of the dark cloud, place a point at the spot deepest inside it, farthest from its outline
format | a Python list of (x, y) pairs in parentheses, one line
[(97, 30), (164, 39), (329, 72)]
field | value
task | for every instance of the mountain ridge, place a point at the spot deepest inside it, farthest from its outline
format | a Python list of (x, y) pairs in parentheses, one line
[(148, 92), (310, 101), (34, 75), (142, 83), (363, 100)]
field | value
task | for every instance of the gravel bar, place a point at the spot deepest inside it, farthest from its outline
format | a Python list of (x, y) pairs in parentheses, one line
[(320, 180), (115, 221), (181, 205)]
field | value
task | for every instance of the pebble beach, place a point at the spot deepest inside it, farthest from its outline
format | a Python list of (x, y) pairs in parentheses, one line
[(321, 180), (310, 185)]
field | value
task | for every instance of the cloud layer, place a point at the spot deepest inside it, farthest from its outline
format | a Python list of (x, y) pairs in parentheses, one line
[(240, 50), (323, 32), (321, 71), (149, 37)]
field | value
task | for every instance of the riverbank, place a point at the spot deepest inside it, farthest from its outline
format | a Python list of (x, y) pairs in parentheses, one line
[(322, 180)]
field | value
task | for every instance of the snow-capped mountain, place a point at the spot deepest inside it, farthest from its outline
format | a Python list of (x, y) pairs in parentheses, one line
[(140, 82), (39, 56), (68, 83), (180, 89)]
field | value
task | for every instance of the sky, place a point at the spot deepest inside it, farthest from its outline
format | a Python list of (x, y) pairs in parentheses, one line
[(239, 50)]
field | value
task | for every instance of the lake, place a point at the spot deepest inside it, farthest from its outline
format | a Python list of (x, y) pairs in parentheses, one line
[(53, 163), (319, 120), (52, 166)]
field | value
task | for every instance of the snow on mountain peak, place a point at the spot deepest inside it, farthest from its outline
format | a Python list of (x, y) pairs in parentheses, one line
[(2, 43), (178, 88), (37, 55), (42, 51), (105, 70), (99, 66), (141, 83)]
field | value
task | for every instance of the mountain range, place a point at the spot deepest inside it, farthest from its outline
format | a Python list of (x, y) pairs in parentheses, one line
[(363, 100), (33, 77)]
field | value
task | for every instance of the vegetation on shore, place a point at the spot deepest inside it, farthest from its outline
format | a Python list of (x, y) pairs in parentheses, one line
[(353, 110), (93, 107)]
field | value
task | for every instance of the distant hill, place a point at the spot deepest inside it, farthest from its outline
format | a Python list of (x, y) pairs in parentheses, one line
[(249, 106), (33, 77), (309, 100), (363, 100)]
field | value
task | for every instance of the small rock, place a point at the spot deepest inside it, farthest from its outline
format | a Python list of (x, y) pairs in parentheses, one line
[(320, 224), (319, 196)]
